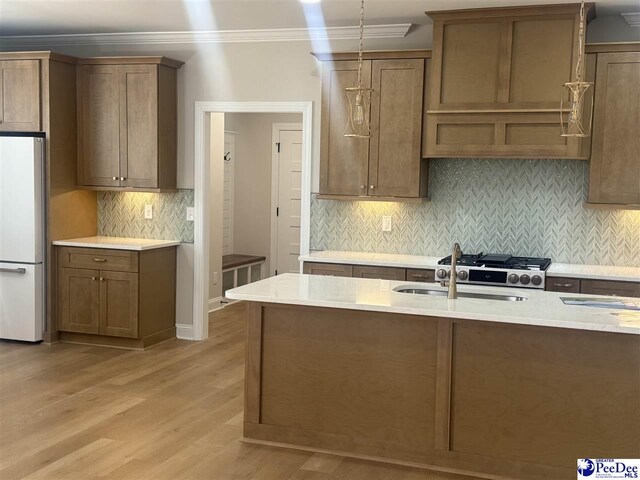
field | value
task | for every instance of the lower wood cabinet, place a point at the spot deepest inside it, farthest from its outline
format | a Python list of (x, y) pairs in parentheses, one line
[(127, 299), (593, 287), (368, 271), (330, 269), (384, 273)]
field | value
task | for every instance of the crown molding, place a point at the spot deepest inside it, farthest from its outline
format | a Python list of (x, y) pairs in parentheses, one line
[(399, 30), (632, 19)]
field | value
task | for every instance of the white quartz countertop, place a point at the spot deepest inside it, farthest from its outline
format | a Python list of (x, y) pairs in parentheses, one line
[(117, 243), (540, 308), (596, 272)]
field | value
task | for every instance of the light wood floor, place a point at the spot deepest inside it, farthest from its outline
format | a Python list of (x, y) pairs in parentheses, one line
[(172, 412)]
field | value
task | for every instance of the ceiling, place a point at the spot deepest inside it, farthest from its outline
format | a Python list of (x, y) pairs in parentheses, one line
[(45, 17)]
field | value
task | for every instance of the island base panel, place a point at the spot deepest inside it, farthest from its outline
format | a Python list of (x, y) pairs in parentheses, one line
[(493, 400)]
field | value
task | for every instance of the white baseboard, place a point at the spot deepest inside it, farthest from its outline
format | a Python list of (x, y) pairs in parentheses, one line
[(215, 304), (184, 331)]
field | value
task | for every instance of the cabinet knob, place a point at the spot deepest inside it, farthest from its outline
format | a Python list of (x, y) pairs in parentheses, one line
[(114, 178), (363, 186), (123, 179), (101, 279), (93, 278), (372, 187)]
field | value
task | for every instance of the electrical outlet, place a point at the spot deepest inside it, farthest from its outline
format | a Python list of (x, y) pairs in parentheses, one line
[(215, 278), (189, 214), (386, 224), (148, 212)]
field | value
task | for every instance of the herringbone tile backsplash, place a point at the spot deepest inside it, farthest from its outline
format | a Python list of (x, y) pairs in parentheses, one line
[(121, 214), (522, 207)]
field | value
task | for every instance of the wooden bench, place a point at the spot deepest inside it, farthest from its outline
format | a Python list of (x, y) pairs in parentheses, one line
[(238, 270)]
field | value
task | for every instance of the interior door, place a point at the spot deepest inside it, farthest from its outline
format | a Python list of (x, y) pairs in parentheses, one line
[(289, 199), (119, 304), (79, 300), (396, 128), (138, 96), (98, 127), (20, 95)]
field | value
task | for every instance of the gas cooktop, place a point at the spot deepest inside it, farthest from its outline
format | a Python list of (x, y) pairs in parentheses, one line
[(494, 260), (496, 269)]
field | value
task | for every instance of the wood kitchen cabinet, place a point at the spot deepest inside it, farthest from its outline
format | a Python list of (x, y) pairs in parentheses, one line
[(614, 174), (127, 128), (330, 269), (593, 287), (116, 297), (20, 95), (384, 273), (389, 164), (496, 82)]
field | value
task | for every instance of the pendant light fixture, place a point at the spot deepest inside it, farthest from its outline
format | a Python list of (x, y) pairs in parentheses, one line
[(578, 94), (359, 98)]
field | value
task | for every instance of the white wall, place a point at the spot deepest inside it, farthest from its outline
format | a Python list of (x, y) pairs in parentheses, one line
[(216, 196)]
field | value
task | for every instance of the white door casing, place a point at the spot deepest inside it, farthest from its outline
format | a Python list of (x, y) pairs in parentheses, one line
[(286, 196)]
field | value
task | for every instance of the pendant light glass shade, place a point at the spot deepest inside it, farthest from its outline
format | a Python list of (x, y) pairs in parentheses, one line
[(359, 100), (358, 97), (577, 97)]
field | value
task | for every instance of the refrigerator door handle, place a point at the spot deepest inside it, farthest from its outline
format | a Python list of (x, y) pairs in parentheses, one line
[(13, 270)]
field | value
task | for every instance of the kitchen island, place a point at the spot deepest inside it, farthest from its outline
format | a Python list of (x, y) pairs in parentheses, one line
[(500, 389)]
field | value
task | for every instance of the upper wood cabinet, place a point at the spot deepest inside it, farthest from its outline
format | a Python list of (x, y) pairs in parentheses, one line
[(20, 96), (127, 126), (615, 149), (496, 82), (389, 164)]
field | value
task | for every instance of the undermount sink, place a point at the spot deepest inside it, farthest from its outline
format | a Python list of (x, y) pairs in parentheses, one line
[(443, 293)]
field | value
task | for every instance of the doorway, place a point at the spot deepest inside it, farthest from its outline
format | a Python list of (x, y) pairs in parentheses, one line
[(209, 186)]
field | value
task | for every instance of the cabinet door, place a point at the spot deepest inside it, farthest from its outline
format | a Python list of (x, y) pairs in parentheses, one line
[(562, 284), (396, 127), (138, 97), (78, 301), (20, 96), (615, 149), (385, 273), (119, 304), (98, 126), (330, 269), (612, 288), (426, 276), (344, 161)]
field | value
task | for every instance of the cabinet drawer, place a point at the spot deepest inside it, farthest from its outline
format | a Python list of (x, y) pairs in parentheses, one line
[(562, 284), (607, 287), (385, 273), (111, 260), (415, 275), (331, 269)]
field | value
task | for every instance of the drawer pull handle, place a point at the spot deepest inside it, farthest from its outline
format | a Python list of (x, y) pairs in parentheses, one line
[(100, 260), (13, 270), (563, 285), (422, 276)]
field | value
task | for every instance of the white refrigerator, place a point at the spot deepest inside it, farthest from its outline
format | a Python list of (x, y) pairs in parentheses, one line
[(22, 230)]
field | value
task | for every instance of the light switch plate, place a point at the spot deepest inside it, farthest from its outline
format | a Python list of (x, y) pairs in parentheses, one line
[(386, 224), (148, 212), (215, 278), (189, 214)]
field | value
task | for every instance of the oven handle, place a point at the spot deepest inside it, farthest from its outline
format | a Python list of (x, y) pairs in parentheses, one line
[(13, 270)]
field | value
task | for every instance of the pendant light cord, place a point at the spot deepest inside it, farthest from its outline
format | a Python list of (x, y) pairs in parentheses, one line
[(580, 44), (360, 44)]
